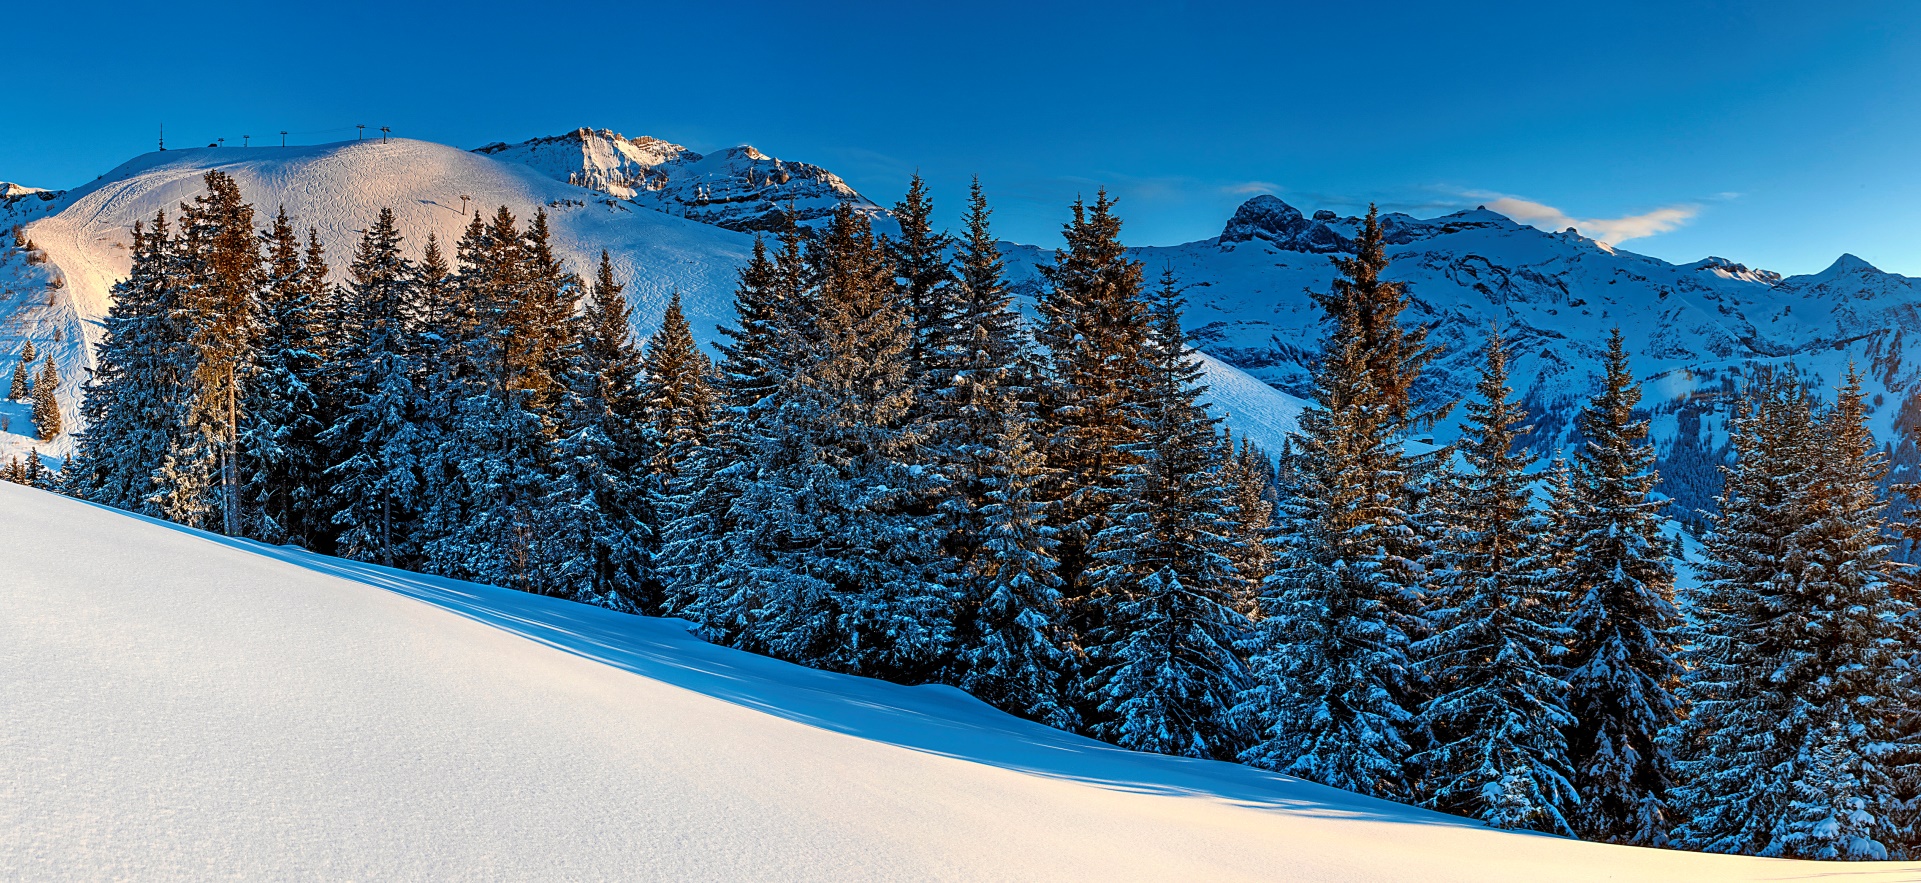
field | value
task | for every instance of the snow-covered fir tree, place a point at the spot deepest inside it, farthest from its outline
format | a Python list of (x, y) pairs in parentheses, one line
[(1010, 642), (46, 402), (760, 353), (848, 566), (22, 376), (1621, 666), (374, 480), (1165, 677), (1334, 695), (489, 523), (280, 420), (1094, 330), (679, 408), (134, 403), (1496, 717), (1793, 674), (1249, 477), (927, 287), (224, 273), (601, 515)]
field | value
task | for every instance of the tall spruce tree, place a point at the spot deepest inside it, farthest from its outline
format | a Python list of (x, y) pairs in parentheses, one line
[(1334, 694), (1165, 675), (602, 514), (502, 447), (1793, 673), (22, 378), (225, 274), (926, 284), (1496, 719), (680, 409), (772, 333), (1249, 478), (374, 477), (46, 402), (1010, 642), (280, 420), (1621, 666), (135, 402), (1094, 328), (828, 521)]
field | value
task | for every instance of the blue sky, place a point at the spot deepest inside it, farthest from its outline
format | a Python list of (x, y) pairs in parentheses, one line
[(1775, 134)]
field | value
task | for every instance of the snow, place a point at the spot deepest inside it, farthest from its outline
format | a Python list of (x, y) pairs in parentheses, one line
[(175, 705)]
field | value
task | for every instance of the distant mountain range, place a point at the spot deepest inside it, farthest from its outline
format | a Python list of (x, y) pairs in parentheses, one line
[(675, 219)]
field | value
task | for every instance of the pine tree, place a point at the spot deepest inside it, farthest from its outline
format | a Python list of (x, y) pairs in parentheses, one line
[(224, 277), (22, 379), (1165, 673), (679, 409), (1498, 753), (1793, 668), (1094, 327), (1249, 478), (46, 402), (1621, 668), (134, 404), (927, 287), (280, 419), (677, 397), (827, 522), (490, 525), (773, 331), (34, 474), (1011, 648), (1334, 693), (374, 483), (603, 517)]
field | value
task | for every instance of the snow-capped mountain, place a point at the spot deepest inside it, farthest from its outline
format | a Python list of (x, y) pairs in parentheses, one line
[(56, 293), (1693, 329), (9, 190), (739, 188), (183, 706)]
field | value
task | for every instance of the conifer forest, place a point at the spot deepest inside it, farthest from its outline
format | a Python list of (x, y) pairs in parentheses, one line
[(893, 466)]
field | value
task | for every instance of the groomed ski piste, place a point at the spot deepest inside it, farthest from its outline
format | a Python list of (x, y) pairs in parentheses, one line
[(180, 706)]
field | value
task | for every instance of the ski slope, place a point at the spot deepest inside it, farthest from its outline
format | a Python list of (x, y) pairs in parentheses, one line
[(174, 705)]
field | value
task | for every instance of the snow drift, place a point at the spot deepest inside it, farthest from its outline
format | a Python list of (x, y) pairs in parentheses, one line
[(175, 705)]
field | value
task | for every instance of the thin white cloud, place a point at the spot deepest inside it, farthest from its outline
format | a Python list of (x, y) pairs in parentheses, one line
[(1612, 231), (1252, 188)]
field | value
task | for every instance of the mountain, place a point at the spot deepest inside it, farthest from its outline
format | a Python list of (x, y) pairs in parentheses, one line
[(9, 190), (739, 188), (180, 705), (61, 288), (1693, 330)]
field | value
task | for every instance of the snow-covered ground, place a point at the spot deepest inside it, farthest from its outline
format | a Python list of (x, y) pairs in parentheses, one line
[(175, 705)]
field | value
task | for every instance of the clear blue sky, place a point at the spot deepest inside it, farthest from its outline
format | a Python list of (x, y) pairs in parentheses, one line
[(1771, 133)]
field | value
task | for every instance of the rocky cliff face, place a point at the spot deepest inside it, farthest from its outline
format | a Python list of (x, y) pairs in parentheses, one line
[(739, 188)]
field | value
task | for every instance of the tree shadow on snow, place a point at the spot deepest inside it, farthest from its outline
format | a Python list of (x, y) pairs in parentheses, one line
[(934, 719)]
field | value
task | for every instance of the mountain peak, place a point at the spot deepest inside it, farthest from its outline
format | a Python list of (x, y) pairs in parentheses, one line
[(1848, 263), (739, 188), (1270, 219)]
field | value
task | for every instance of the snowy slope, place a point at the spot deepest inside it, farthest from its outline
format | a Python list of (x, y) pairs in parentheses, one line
[(339, 188), (178, 706), (739, 188)]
